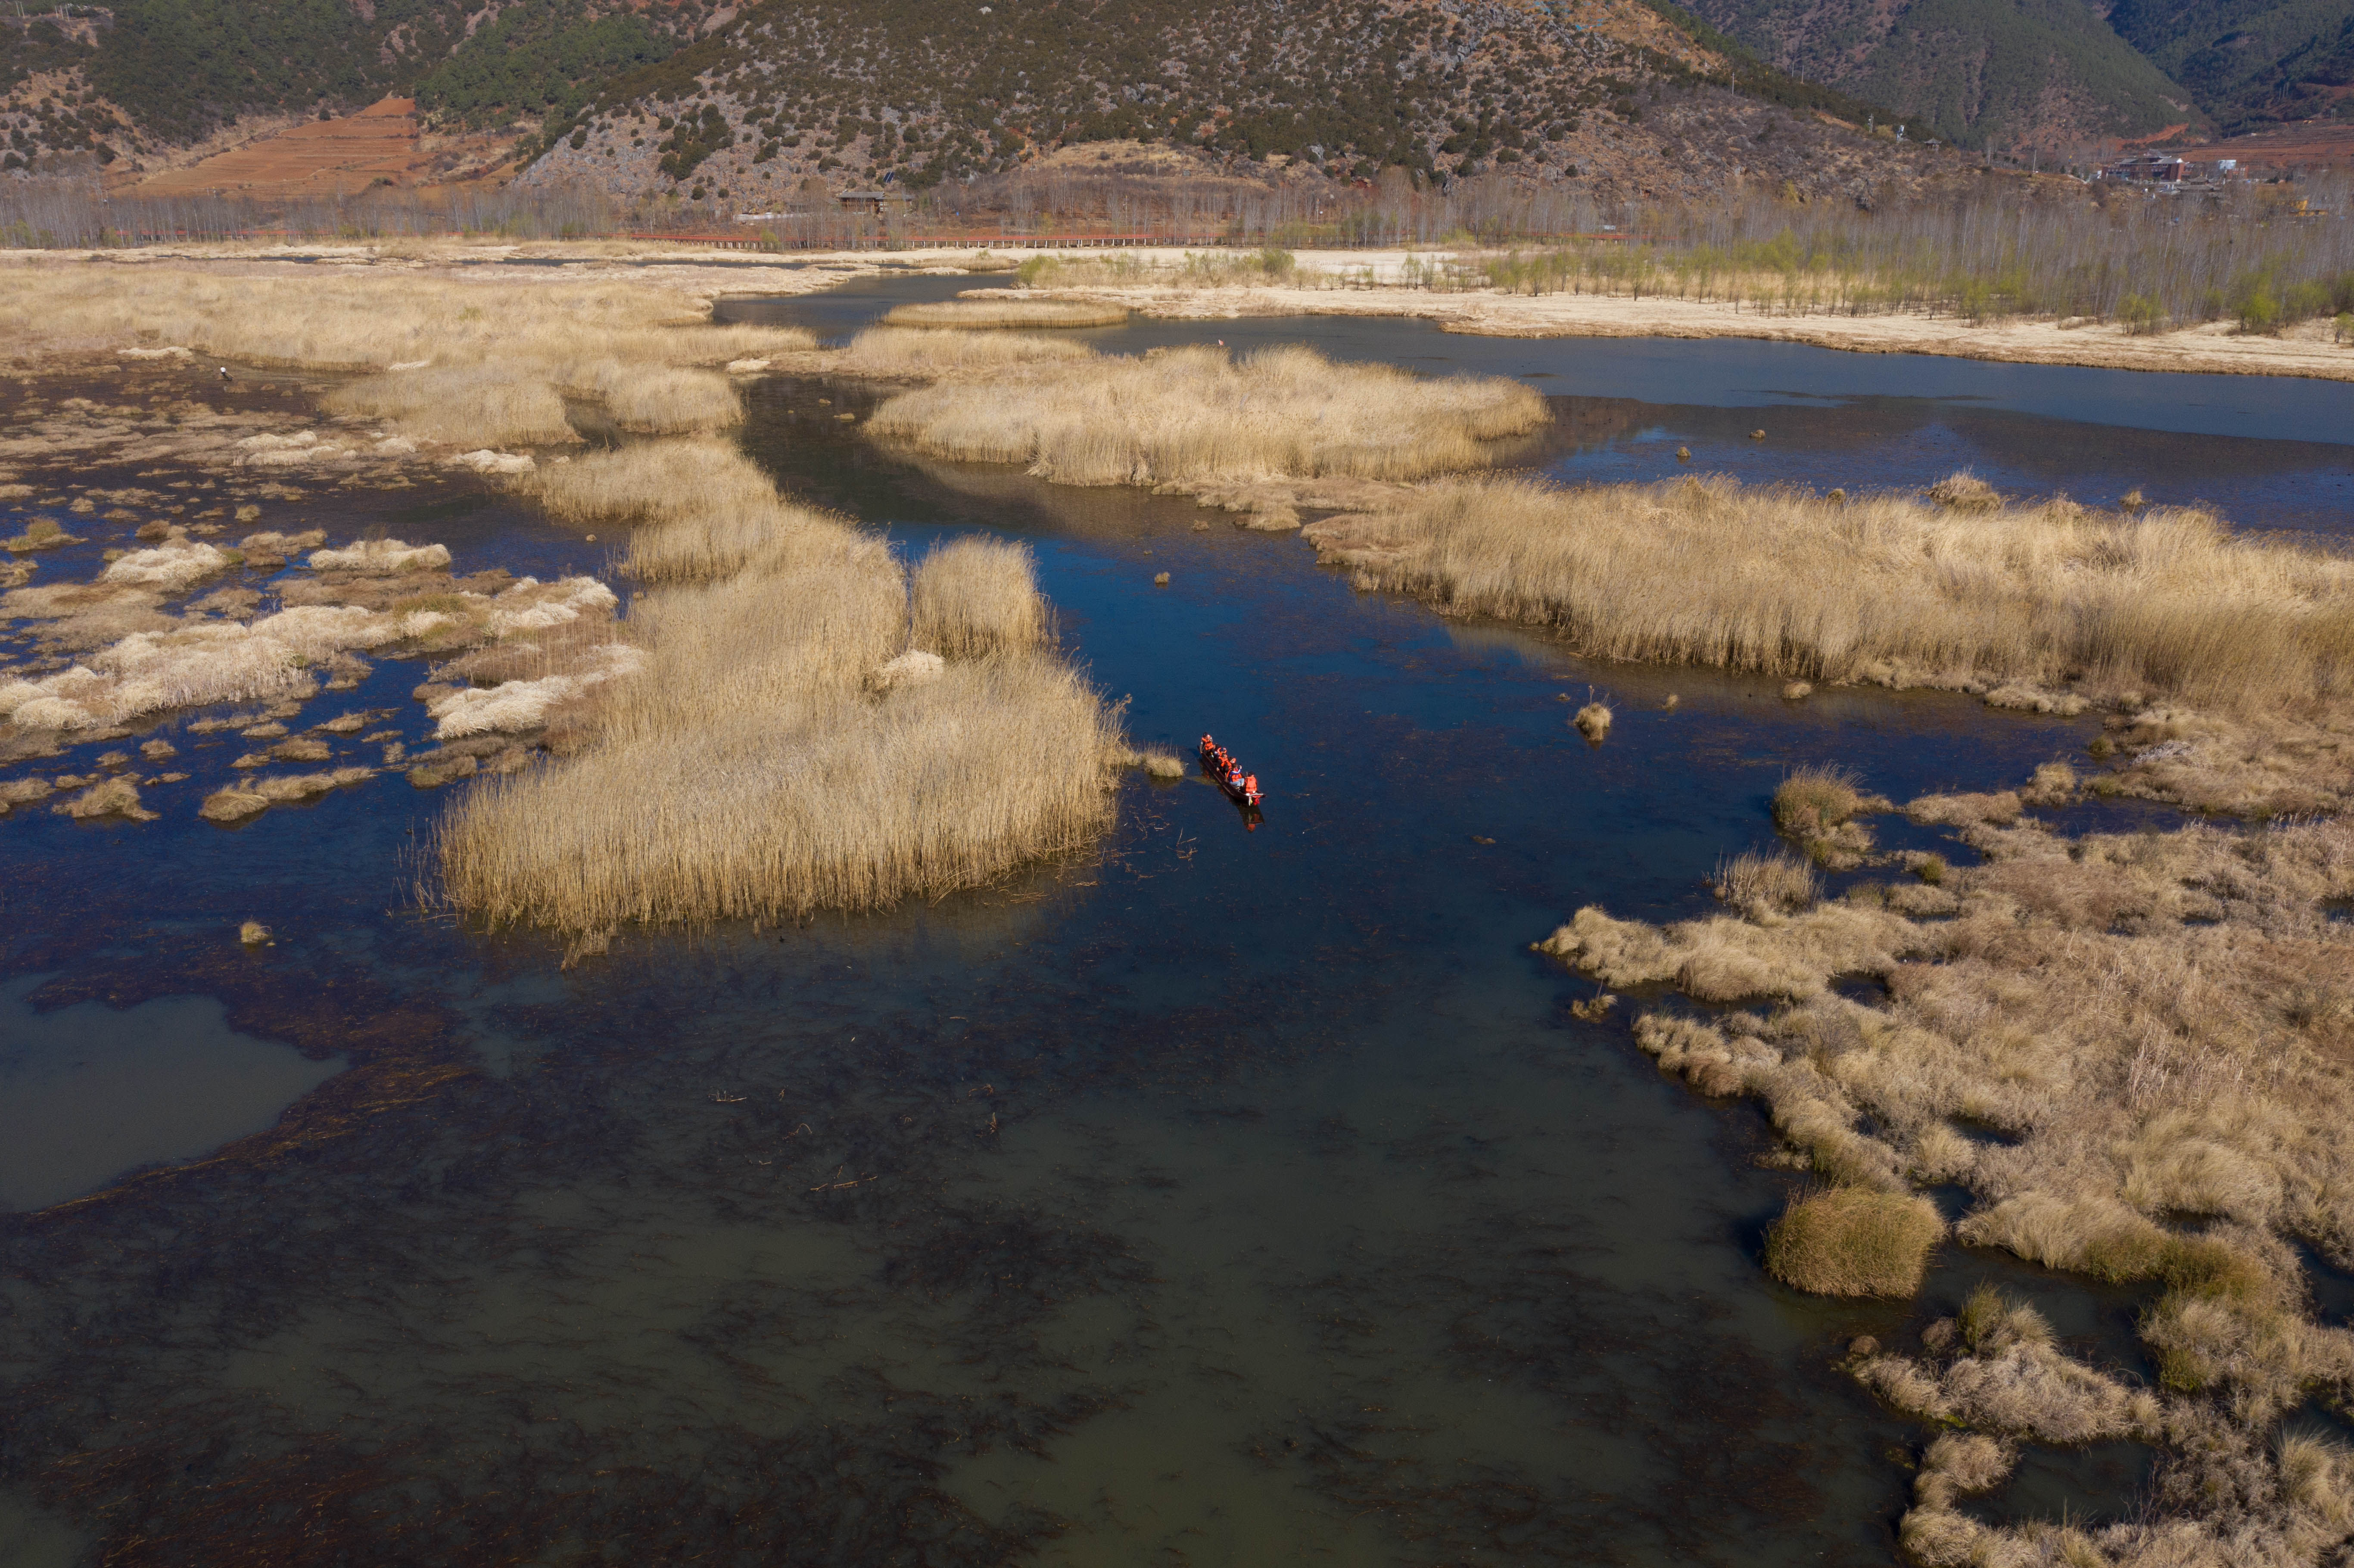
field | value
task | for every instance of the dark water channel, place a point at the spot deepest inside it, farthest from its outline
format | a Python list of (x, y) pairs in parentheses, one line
[(1220, 1197)]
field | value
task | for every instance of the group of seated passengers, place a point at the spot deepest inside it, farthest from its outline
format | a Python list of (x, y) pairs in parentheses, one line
[(1229, 768)]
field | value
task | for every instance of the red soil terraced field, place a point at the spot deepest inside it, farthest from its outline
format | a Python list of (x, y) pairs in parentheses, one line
[(335, 157)]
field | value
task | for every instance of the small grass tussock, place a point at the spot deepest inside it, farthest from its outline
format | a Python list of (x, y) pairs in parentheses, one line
[(1965, 492), (1009, 311), (1593, 721), (1196, 416), (1776, 881), (1818, 806), (1853, 1241)]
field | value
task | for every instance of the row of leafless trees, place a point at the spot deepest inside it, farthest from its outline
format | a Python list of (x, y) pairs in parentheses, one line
[(51, 213), (1396, 211), (76, 212), (2264, 253)]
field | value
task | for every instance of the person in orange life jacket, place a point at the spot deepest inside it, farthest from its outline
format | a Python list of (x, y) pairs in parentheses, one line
[(1250, 785)]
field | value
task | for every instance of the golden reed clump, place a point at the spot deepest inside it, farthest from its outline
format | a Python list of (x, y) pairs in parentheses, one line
[(483, 362), (895, 354), (1853, 1241), (1008, 311), (750, 772), (761, 764), (976, 597), (1195, 416), (1886, 590), (702, 509)]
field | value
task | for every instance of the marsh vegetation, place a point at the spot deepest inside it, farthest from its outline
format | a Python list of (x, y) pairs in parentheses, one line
[(753, 771), (2154, 1026), (1196, 417), (1010, 311), (2018, 602), (449, 359)]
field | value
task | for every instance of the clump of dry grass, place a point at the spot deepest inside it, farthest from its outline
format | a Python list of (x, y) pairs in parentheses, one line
[(109, 797), (1853, 1241), (653, 482), (1593, 720), (40, 534), (1965, 492), (704, 510), (1883, 590), (169, 569), (906, 354), (1775, 881), (1817, 805), (1010, 311), (249, 797), (469, 404), (379, 556), (657, 399), (1193, 417), (975, 597)]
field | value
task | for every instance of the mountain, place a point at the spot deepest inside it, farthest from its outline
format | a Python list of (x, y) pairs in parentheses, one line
[(916, 92), (1972, 70), (2249, 62), (141, 75), (656, 99)]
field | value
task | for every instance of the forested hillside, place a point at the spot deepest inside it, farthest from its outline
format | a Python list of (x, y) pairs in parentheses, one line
[(169, 72), (2248, 62), (2008, 71), (906, 91)]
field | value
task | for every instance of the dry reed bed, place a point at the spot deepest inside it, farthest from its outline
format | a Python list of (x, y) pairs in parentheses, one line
[(447, 358), (2157, 1026), (898, 354), (1883, 590), (700, 509), (1009, 311), (754, 771), (1194, 417)]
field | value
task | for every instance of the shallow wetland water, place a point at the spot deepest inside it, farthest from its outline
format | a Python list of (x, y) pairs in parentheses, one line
[(1220, 1197)]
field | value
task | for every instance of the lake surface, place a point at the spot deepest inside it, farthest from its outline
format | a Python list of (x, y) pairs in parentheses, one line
[(1220, 1197)]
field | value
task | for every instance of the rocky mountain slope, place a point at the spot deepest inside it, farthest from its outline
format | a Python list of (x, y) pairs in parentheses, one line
[(913, 94), (2057, 70), (139, 77), (2250, 63), (1969, 71)]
